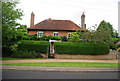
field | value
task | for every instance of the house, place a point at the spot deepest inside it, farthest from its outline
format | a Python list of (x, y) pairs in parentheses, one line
[(50, 27)]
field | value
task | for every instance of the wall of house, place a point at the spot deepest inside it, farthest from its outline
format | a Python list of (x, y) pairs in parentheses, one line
[(48, 33), (32, 32)]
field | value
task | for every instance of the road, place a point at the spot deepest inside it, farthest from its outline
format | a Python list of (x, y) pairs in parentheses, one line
[(12, 74)]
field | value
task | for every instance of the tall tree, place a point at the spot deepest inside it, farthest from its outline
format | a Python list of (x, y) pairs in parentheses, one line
[(111, 29), (104, 32), (10, 15), (103, 26), (107, 26)]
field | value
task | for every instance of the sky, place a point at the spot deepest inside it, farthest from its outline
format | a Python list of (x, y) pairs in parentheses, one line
[(95, 11)]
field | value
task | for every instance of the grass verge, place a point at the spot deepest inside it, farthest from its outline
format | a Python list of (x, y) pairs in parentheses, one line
[(67, 64)]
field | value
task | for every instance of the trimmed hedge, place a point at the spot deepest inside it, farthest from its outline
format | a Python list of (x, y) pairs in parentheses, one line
[(26, 54), (81, 48), (28, 46), (37, 46)]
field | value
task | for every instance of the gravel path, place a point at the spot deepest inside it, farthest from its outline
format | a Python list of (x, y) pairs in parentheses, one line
[(56, 60)]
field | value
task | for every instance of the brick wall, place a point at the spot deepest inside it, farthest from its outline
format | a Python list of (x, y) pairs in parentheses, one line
[(32, 32), (110, 56), (48, 33)]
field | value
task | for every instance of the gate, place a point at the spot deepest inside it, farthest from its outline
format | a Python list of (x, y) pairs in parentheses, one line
[(51, 48)]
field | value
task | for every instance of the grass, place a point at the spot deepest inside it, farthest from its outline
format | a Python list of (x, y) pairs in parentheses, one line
[(10, 58), (67, 64)]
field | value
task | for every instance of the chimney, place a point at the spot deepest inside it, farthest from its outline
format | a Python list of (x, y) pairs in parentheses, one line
[(83, 25), (32, 20)]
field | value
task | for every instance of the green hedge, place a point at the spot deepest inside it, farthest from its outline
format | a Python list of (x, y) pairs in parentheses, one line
[(26, 54), (81, 48), (37, 46), (62, 48)]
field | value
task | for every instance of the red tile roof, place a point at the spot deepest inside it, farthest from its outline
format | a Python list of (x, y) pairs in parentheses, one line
[(56, 25)]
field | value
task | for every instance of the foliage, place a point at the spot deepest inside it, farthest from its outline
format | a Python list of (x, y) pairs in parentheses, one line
[(45, 38), (113, 45), (104, 34), (76, 37), (118, 49), (90, 37), (113, 32), (37, 46), (10, 15), (115, 40), (81, 48), (22, 31), (26, 54)]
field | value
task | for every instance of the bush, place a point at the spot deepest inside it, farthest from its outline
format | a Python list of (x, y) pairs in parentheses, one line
[(44, 38), (30, 37), (37, 46), (118, 49), (26, 54), (81, 48), (115, 40)]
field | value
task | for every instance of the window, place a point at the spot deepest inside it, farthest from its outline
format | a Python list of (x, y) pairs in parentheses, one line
[(39, 34), (69, 34), (55, 34)]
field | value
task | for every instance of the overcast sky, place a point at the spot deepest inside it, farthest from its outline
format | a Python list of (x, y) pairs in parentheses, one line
[(95, 11)]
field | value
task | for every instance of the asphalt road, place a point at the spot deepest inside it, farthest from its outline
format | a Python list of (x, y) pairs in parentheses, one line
[(12, 74)]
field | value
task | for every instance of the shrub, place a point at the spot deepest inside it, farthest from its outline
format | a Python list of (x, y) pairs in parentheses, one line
[(26, 54), (37, 46), (44, 38), (64, 38), (81, 48), (118, 49), (115, 40)]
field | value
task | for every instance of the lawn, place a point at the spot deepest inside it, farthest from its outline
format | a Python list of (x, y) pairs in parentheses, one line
[(67, 64), (10, 58)]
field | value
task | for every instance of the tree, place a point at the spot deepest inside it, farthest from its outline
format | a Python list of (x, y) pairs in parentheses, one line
[(111, 29), (107, 26), (10, 15), (101, 35), (103, 26), (104, 32)]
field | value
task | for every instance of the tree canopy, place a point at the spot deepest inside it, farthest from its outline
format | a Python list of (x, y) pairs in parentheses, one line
[(10, 15), (101, 35)]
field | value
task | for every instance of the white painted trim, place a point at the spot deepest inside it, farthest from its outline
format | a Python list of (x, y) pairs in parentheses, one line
[(55, 32), (39, 32)]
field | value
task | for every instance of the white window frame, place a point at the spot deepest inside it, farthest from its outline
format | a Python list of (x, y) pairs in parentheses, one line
[(40, 34), (55, 33), (69, 34)]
